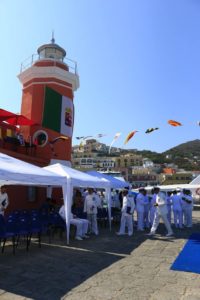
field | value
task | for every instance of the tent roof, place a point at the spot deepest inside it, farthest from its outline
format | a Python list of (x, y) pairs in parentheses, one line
[(196, 180), (78, 178), (15, 171), (115, 183)]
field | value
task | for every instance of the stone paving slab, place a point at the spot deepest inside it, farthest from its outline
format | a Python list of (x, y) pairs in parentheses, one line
[(104, 267)]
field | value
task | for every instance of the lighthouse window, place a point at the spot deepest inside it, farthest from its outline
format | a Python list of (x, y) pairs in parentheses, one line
[(40, 138)]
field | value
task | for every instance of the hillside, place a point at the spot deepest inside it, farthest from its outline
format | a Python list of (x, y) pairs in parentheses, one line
[(188, 149), (186, 155)]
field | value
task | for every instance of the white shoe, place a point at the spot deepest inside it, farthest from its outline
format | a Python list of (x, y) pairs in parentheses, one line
[(169, 234), (86, 236), (151, 233), (119, 233), (78, 238)]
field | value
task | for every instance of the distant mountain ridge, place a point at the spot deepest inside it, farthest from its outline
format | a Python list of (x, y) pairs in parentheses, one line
[(185, 156), (191, 148)]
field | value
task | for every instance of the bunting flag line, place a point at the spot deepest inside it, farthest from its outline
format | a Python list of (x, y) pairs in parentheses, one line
[(117, 135), (100, 135), (149, 130), (129, 136), (83, 137), (174, 123)]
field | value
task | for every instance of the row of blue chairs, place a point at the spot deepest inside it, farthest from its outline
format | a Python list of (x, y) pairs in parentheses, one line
[(28, 223)]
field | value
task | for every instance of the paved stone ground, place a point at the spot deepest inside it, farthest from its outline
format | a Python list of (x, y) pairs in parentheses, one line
[(104, 267)]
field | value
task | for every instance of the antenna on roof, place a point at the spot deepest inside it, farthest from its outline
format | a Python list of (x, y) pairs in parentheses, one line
[(53, 40)]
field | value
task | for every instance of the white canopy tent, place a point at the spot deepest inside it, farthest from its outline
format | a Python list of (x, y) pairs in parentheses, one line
[(76, 178), (16, 172), (114, 182), (196, 180)]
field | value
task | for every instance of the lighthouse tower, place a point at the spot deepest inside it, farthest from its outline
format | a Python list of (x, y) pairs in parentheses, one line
[(49, 82)]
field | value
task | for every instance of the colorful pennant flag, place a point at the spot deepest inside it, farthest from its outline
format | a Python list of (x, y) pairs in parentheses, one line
[(174, 123), (117, 135), (149, 130), (129, 136)]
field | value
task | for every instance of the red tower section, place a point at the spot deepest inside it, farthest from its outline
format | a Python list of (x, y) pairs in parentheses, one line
[(49, 83)]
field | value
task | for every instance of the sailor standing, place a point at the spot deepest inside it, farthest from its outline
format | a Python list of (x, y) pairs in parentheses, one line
[(90, 207), (177, 209), (187, 205), (4, 202), (146, 210), (169, 205), (140, 203), (152, 206), (128, 206), (161, 212)]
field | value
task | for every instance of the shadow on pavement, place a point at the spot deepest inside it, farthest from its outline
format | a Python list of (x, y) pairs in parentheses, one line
[(55, 269)]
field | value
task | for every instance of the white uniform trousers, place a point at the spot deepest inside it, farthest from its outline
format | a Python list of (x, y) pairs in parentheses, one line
[(169, 213), (178, 218), (126, 220), (187, 215), (81, 226), (146, 218), (157, 220), (140, 220), (152, 214), (93, 228)]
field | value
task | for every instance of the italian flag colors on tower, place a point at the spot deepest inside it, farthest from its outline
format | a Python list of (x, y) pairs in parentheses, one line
[(58, 113)]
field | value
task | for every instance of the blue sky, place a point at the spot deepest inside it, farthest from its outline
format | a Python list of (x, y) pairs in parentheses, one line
[(138, 61)]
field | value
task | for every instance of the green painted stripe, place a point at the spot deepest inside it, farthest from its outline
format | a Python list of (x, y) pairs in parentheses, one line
[(52, 110)]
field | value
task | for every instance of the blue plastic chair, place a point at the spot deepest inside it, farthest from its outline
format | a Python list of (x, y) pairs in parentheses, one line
[(7, 230), (23, 229), (35, 228)]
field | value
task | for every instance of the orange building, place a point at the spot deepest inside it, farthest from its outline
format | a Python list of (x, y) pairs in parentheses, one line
[(169, 171), (47, 98), (49, 82)]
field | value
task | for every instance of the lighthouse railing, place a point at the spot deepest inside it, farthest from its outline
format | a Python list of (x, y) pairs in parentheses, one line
[(70, 63)]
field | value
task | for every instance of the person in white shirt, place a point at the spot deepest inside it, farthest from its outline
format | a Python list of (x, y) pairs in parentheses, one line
[(177, 209), (152, 206), (187, 206), (146, 210), (128, 206), (161, 212), (4, 202), (140, 203), (90, 207), (169, 205), (81, 224)]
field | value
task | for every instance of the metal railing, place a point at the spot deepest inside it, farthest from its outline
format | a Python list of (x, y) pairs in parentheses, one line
[(27, 63)]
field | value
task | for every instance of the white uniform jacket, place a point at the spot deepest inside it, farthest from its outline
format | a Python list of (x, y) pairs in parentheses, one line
[(140, 202), (91, 203), (161, 202), (128, 203), (3, 202)]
